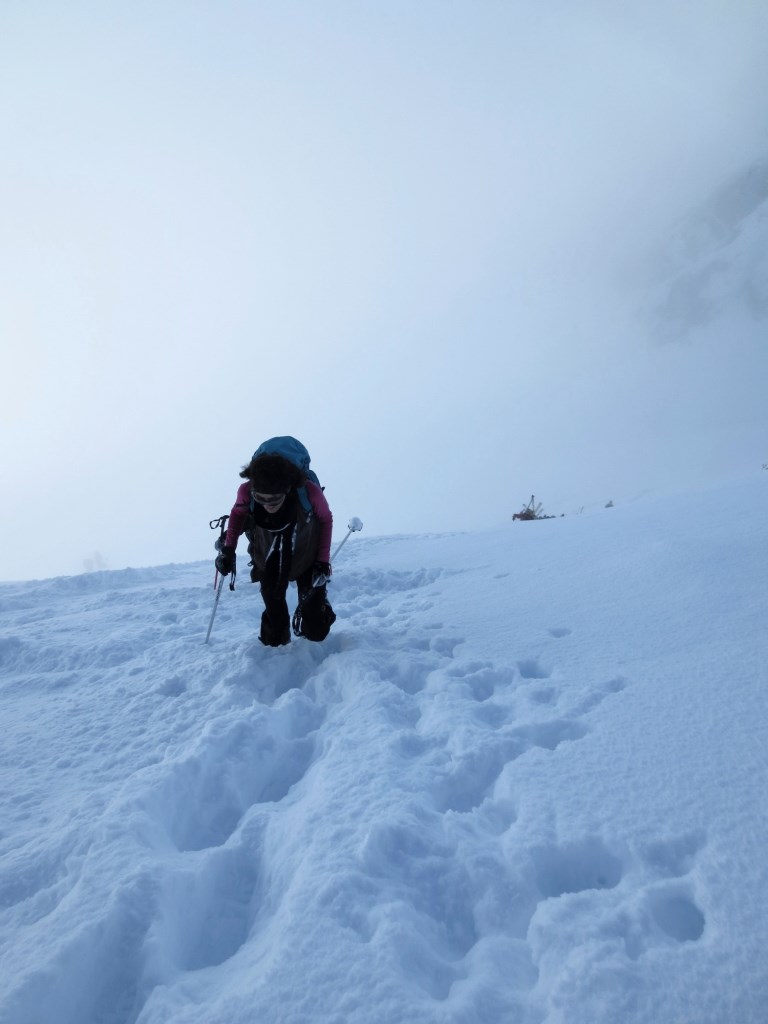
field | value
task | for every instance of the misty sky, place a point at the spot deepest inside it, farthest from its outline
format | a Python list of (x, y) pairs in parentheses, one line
[(413, 234)]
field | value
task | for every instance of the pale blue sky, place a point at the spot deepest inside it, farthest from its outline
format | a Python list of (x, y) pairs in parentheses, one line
[(411, 234)]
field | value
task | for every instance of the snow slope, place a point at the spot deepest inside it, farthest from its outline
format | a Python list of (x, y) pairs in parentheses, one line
[(715, 268), (523, 781)]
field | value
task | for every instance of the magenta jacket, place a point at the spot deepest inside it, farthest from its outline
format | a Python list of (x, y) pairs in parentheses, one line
[(238, 517)]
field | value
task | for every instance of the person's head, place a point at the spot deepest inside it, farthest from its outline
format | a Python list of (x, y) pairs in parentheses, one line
[(272, 478)]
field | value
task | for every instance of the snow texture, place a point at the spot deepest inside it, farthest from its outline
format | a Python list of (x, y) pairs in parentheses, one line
[(524, 780)]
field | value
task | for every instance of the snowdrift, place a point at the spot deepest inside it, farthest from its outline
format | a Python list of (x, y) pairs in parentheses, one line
[(523, 781)]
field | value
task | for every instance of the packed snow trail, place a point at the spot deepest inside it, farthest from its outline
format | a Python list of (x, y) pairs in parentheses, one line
[(522, 781)]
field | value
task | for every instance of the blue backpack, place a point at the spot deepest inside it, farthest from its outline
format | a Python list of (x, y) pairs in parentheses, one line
[(295, 452)]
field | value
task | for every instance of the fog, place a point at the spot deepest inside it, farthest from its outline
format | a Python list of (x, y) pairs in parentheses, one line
[(423, 238)]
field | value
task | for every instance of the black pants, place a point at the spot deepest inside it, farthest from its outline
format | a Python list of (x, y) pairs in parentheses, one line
[(313, 617)]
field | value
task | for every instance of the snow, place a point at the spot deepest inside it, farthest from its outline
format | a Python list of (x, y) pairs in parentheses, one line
[(524, 780)]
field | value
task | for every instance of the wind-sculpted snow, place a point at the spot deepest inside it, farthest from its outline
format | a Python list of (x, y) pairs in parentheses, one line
[(522, 781)]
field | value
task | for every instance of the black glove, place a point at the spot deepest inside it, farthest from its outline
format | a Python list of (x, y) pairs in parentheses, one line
[(226, 560), (321, 573)]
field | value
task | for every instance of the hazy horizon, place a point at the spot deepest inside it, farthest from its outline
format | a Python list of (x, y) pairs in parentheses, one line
[(420, 239)]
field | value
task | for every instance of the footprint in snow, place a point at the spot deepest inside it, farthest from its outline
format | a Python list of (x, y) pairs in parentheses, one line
[(575, 867), (414, 863), (663, 912), (668, 911), (532, 668), (470, 779), (205, 912), (481, 680), (254, 759), (598, 695)]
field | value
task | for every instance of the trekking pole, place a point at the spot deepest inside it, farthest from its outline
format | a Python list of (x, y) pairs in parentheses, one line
[(221, 524), (215, 606), (320, 579), (354, 525)]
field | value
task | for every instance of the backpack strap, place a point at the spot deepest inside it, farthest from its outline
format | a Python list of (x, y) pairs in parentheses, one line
[(306, 504)]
